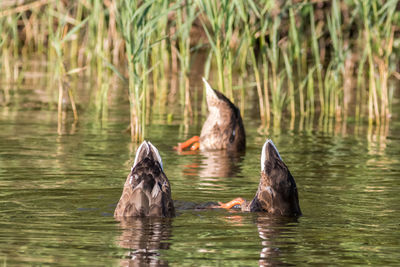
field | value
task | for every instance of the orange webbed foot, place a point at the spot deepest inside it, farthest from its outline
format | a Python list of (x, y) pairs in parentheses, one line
[(186, 144), (232, 203), (195, 146)]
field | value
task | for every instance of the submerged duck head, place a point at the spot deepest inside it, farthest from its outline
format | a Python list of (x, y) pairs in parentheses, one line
[(223, 128), (147, 190), (277, 191)]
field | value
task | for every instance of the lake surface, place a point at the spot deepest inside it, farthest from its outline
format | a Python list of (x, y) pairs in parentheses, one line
[(58, 194)]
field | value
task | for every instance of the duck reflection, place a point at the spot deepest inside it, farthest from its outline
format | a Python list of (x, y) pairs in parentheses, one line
[(220, 163), (215, 164), (145, 238), (269, 229)]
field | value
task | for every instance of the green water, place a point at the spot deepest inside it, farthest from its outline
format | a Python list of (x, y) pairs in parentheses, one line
[(58, 193)]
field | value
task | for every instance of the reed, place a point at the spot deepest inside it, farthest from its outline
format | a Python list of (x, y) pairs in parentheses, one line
[(295, 50), (276, 81), (290, 83), (335, 73), (59, 39), (137, 23), (220, 15), (160, 55), (315, 51), (301, 56), (250, 46), (379, 35), (186, 15), (135, 32), (264, 23)]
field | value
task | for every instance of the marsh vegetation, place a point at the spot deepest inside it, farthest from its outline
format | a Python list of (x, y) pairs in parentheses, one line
[(78, 78), (328, 60)]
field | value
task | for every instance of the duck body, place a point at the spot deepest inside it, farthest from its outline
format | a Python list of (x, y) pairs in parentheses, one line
[(277, 190), (223, 128), (146, 190)]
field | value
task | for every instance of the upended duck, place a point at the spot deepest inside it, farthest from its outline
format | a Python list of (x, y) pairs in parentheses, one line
[(223, 128), (146, 191), (277, 191)]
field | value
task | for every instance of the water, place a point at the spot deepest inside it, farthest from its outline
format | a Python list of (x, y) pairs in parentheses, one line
[(58, 194)]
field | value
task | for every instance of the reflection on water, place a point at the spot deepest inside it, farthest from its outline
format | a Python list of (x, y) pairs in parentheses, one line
[(145, 238), (377, 138), (272, 230), (213, 164), (220, 163), (269, 230), (58, 193), (210, 169)]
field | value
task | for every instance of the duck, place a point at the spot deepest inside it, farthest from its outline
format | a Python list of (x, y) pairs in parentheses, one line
[(223, 128), (277, 191), (147, 191)]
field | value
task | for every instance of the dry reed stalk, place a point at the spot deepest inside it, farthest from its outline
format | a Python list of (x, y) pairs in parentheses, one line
[(347, 75), (266, 92), (373, 91), (258, 85), (59, 109), (24, 8), (73, 105), (384, 75)]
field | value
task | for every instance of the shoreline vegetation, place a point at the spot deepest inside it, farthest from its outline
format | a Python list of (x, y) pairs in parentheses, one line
[(331, 59)]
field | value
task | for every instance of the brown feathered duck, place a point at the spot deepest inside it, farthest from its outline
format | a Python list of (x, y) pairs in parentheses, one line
[(277, 191), (223, 128), (146, 191)]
